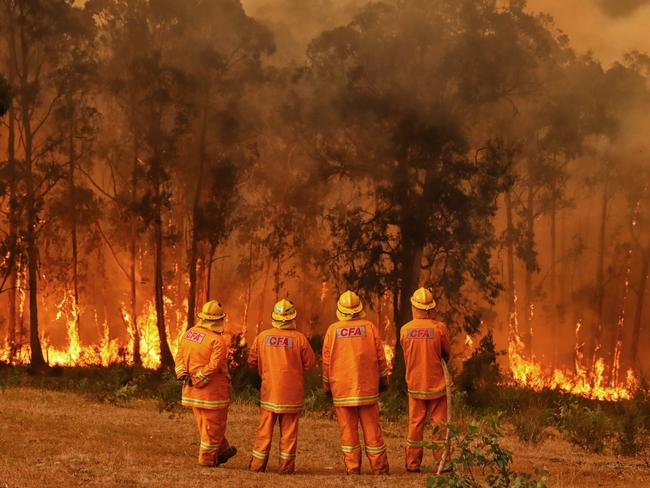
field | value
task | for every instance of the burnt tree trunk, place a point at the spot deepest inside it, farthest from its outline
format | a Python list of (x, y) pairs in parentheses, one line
[(640, 305), (73, 218), (194, 244), (31, 200), (528, 278), (166, 358), (410, 266), (599, 299), (13, 211), (510, 253), (133, 255)]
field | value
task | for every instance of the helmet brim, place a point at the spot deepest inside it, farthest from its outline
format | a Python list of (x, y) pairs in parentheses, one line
[(423, 306)]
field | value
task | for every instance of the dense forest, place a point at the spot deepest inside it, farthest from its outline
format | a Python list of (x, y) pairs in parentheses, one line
[(155, 153)]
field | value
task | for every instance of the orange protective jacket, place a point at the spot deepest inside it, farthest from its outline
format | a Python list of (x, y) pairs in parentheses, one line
[(354, 362), (425, 342), (282, 356), (202, 355)]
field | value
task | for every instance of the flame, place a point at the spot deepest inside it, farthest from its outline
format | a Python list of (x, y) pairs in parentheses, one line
[(389, 352), (589, 383)]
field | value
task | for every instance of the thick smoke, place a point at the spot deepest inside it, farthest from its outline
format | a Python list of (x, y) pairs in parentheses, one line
[(621, 8)]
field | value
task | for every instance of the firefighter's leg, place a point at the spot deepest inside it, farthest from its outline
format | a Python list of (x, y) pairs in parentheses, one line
[(438, 416), (262, 446), (348, 418), (288, 441), (415, 436), (212, 428), (373, 439)]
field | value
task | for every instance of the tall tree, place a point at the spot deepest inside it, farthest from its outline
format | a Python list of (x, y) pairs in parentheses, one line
[(40, 32)]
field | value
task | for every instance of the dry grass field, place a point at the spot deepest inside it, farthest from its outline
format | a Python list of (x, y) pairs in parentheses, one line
[(53, 439)]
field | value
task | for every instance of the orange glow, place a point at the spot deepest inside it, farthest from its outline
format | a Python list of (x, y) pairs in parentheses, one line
[(389, 352)]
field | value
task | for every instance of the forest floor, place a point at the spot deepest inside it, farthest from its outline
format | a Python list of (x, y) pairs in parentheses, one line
[(50, 438)]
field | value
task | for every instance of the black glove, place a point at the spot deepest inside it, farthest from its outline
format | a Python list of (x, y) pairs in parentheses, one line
[(186, 379)]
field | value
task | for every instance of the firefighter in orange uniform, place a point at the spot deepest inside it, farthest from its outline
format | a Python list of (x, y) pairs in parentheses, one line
[(354, 369), (425, 343), (281, 355), (202, 367)]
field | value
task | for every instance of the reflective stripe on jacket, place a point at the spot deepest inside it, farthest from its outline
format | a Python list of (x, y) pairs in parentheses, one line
[(202, 354), (424, 342), (281, 357), (353, 363)]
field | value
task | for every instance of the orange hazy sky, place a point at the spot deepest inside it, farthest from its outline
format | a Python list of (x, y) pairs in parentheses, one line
[(591, 29)]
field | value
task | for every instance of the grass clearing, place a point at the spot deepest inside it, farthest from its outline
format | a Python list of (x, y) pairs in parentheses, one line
[(51, 438)]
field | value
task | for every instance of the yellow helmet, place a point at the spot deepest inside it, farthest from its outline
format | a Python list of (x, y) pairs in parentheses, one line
[(284, 311), (349, 306), (212, 311), (422, 299)]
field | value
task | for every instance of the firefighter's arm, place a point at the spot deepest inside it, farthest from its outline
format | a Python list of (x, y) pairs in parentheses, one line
[(445, 343), (253, 355), (307, 355), (327, 348), (180, 370), (217, 360)]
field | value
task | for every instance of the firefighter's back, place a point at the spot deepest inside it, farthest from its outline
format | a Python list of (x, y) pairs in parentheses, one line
[(424, 342), (281, 365), (353, 365)]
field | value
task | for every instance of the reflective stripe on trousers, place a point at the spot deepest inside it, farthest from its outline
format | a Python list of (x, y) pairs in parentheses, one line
[(349, 419), (419, 411), (288, 423), (212, 431)]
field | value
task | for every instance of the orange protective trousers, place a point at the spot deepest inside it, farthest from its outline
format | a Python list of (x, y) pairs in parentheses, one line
[(419, 410), (349, 419), (288, 440), (212, 431)]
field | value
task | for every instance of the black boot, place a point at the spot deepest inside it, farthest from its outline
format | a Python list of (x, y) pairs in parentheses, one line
[(227, 454)]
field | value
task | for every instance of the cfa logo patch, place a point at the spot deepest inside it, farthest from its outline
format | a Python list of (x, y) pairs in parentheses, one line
[(279, 341), (194, 336), (420, 334), (345, 332)]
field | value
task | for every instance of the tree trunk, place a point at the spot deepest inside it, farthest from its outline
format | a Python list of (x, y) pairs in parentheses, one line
[(528, 279), (37, 359), (193, 251), (640, 304), (133, 254), (13, 217), (73, 220), (596, 332), (553, 306), (410, 274), (166, 358), (510, 251)]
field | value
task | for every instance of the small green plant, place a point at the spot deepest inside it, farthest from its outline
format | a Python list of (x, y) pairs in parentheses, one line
[(584, 427), (169, 393), (478, 460), (125, 393)]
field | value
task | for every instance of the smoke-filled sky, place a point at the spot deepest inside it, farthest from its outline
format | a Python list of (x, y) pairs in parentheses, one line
[(609, 28)]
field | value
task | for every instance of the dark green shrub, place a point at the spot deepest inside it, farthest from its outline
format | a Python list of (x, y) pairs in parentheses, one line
[(478, 460), (169, 393), (480, 375), (585, 427), (632, 436)]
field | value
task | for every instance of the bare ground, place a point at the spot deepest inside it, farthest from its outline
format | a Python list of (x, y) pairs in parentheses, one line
[(65, 440)]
